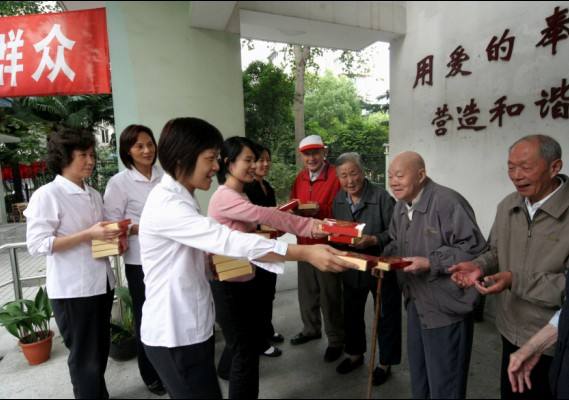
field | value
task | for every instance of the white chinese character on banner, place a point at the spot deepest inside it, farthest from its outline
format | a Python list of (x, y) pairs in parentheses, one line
[(46, 61), (9, 52)]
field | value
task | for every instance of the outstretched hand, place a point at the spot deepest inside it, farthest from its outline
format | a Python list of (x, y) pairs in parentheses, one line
[(325, 258), (465, 274), (419, 264), (494, 284)]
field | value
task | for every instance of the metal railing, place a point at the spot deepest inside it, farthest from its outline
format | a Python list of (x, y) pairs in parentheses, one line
[(19, 283)]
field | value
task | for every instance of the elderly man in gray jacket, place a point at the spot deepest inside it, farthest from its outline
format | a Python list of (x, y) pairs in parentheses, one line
[(434, 227), (526, 261)]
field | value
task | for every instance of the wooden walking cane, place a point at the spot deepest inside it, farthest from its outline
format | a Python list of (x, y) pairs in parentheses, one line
[(378, 273)]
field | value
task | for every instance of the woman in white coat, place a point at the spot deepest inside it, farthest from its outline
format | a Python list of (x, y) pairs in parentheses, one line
[(63, 217), (124, 198), (178, 315)]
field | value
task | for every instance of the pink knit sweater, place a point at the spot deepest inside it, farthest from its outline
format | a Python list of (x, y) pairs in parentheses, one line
[(233, 209)]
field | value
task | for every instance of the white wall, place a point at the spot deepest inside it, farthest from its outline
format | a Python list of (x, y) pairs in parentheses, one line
[(162, 69), (474, 163)]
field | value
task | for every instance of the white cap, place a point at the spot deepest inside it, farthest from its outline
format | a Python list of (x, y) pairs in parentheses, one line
[(311, 142)]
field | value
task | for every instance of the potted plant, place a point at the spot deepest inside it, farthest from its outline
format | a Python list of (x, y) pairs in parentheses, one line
[(29, 321), (123, 340)]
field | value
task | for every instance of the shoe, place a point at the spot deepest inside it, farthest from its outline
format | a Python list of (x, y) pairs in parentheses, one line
[(333, 353), (380, 375), (277, 338), (301, 338), (348, 365), (272, 352), (157, 388)]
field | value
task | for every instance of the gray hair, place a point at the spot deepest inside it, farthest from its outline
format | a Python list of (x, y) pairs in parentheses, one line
[(549, 148), (350, 157)]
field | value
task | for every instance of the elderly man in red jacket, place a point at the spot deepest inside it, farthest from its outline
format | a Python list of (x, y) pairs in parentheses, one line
[(317, 183)]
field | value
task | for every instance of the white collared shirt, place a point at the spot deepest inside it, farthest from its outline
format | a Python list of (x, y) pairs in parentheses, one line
[(61, 208), (532, 208), (124, 198), (555, 319), (411, 208), (314, 175), (174, 239)]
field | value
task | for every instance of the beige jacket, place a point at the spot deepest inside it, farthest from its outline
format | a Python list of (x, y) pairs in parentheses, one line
[(536, 253)]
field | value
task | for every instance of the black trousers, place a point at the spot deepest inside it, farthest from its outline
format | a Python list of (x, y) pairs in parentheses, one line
[(540, 388), (238, 316), (187, 372), (135, 279), (266, 285), (439, 358), (84, 324), (389, 337)]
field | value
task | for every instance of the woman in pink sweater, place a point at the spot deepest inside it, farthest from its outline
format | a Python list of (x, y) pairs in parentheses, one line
[(235, 300)]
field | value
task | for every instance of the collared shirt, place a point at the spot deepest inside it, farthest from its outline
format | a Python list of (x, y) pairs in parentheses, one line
[(61, 208), (354, 207), (555, 319), (124, 198), (174, 240), (411, 208), (315, 175), (532, 208)]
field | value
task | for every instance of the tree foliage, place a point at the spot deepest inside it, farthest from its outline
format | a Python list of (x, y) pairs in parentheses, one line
[(268, 95), (13, 8), (333, 110)]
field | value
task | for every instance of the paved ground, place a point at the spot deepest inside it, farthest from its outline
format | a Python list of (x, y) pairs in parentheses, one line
[(299, 373)]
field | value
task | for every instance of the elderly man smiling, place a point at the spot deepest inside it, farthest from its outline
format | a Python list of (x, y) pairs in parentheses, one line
[(529, 247), (434, 227)]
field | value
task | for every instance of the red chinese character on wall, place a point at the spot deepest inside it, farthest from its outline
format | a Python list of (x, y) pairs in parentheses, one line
[(505, 46), (457, 58), (424, 71), (556, 29), (558, 99), (442, 116), (469, 117), (513, 110)]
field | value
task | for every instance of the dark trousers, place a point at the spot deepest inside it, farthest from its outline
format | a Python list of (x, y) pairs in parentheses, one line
[(439, 358), (84, 324), (317, 291), (389, 337), (187, 372), (540, 388), (135, 279), (238, 316), (266, 285)]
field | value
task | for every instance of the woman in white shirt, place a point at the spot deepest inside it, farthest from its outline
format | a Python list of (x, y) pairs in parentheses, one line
[(124, 198), (178, 315), (63, 217)]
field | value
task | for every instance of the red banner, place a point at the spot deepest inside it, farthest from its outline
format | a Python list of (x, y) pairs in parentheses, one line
[(54, 54)]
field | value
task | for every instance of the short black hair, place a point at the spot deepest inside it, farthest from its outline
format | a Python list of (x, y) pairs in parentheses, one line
[(129, 136), (230, 150), (181, 142), (259, 148), (63, 142)]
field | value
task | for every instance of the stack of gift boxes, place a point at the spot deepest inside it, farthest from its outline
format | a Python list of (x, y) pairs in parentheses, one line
[(349, 232), (229, 268), (345, 232), (113, 247)]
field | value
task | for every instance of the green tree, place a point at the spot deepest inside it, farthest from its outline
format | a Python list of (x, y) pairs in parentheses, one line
[(330, 101), (12, 8), (334, 111), (268, 94)]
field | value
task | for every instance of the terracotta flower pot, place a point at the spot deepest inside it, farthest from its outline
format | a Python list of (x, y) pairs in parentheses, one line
[(37, 352)]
